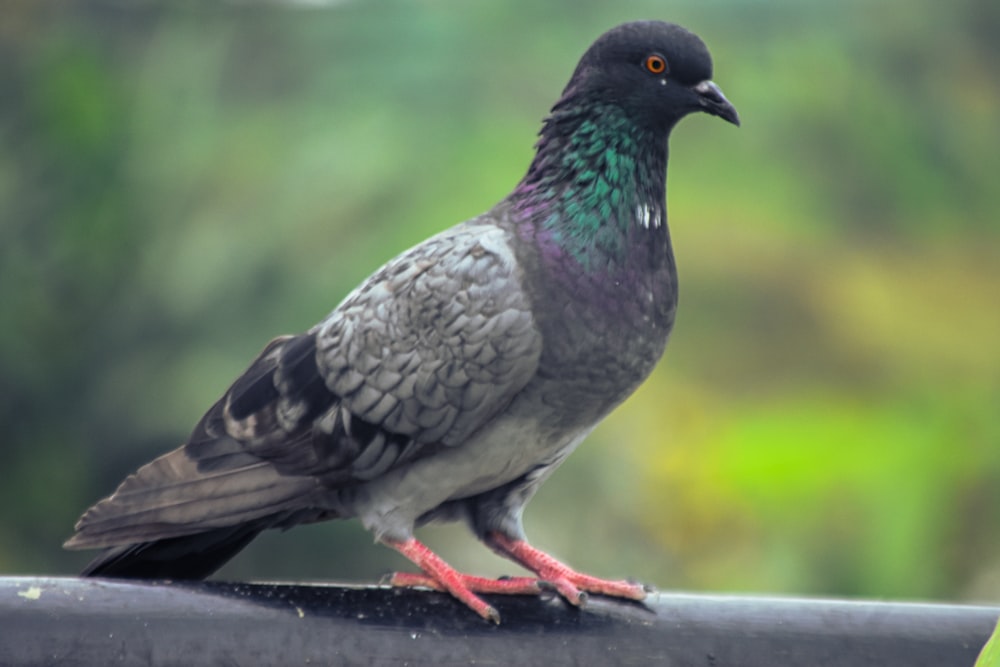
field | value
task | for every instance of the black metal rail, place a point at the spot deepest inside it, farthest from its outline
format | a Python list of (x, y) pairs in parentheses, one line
[(69, 621)]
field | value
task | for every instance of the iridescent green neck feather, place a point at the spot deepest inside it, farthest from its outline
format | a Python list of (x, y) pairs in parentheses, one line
[(596, 176)]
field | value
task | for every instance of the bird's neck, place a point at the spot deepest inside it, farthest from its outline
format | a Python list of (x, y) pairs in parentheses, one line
[(596, 187)]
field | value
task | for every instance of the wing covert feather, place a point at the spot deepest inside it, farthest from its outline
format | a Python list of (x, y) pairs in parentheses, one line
[(436, 342)]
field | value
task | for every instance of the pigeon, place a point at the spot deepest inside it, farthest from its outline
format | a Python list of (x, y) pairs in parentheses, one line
[(454, 380)]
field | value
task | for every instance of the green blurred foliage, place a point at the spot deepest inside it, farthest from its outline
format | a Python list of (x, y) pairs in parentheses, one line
[(990, 655), (179, 183)]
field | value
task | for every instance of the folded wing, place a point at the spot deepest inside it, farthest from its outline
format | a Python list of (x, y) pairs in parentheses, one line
[(419, 357)]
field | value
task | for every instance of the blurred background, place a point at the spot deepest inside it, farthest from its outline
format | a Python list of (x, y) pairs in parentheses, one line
[(180, 183)]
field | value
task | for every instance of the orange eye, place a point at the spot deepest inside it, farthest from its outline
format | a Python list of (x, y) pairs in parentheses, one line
[(655, 64)]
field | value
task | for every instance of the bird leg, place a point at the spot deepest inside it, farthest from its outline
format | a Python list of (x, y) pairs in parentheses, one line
[(440, 576), (571, 584)]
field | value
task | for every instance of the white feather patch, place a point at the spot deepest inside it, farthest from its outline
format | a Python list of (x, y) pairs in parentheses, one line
[(647, 217)]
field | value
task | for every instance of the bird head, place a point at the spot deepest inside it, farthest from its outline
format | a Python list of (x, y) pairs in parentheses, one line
[(656, 72)]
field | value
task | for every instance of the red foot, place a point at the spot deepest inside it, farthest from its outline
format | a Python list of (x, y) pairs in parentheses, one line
[(571, 584), (440, 574)]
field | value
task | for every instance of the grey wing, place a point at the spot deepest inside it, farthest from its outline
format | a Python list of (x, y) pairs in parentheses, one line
[(437, 342), (426, 351)]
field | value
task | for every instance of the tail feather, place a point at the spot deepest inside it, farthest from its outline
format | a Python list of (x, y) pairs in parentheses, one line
[(188, 557), (171, 498), (254, 461)]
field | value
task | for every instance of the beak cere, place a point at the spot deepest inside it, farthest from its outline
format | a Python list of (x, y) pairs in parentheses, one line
[(714, 102)]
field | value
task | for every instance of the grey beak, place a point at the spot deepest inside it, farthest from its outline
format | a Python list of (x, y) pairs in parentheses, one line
[(714, 102)]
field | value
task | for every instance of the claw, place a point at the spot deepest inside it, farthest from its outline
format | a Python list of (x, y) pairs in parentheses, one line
[(491, 615)]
